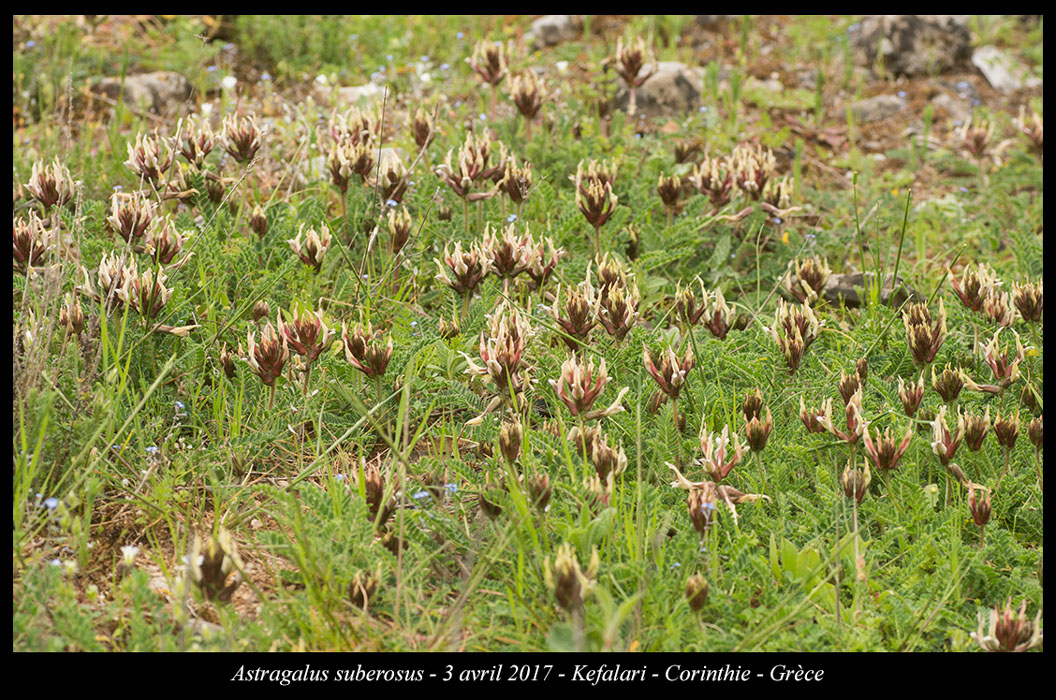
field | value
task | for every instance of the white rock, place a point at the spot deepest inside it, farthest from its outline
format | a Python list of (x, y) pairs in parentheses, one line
[(1001, 70)]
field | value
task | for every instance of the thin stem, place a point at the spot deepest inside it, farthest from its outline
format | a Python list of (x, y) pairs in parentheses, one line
[(762, 470), (854, 510), (579, 635), (678, 433), (1008, 458)]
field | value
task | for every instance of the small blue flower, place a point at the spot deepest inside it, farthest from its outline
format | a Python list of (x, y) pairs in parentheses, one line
[(55, 562), (676, 565), (118, 188), (375, 76), (445, 66), (52, 503), (459, 35), (228, 46), (381, 69), (776, 220), (115, 447), (902, 93), (458, 103), (30, 44), (853, 28), (421, 494), (388, 57), (366, 276), (511, 218), (153, 449), (453, 488), (964, 189), (962, 85), (339, 477), (211, 69), (483, 117), (266, 77), (392, 203), (425, 59), (708, 505), (179, 405), (702, 109), (976, 103), (413, 324)]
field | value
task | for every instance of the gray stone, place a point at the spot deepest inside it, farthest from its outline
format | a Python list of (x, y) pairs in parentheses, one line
[(550, 30), (162, 93), (843, 288), (1002, 71), (874, 109), (710, 21), (674, 89), (958, 110), (353, 95), (913, 44)]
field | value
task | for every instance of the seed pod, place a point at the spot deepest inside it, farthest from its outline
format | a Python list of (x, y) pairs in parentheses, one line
[(1036, 432), (71, 317), (510, 437), (570, 583), (979, 506), (362, 588), (696, 591), (539, 491), (258, 222), (261, 310), (227, 362)]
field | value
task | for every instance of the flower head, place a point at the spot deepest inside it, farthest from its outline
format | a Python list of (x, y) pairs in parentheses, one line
[(149, 157), (1029, 299), (630, 59), (306, 333), (924, 334), (854, 482), (720, 455), (489, 61), (366, 349), (241, 137), (527, 92), (312, 249), (911, 394), (268, 357), (212, 562), (975, 429), (944, 442), (804, 280), (580, 385), (1009, 630), (672, 372), (30, 241), (578, 314), (886, 450), (51, 184), (1003, 365), (463, 270), (973, 285)]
